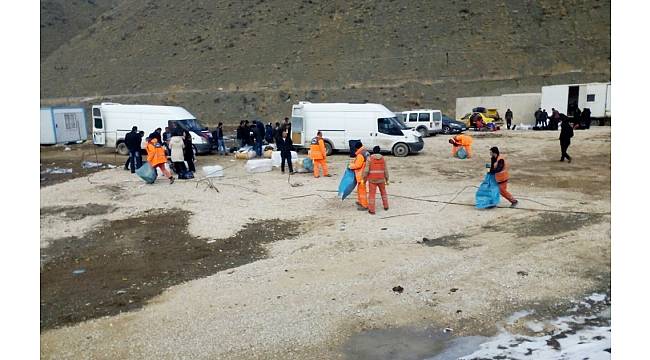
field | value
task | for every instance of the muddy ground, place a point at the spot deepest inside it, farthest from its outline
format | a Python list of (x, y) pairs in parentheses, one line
[(257, 268)]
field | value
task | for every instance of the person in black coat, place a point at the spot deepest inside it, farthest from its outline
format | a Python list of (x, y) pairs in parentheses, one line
[(156, 135), (586, 117), (188, 151), (132, 141), (285, 146), (566, 133)]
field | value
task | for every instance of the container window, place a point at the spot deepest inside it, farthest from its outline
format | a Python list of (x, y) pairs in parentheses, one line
[(591, 97)]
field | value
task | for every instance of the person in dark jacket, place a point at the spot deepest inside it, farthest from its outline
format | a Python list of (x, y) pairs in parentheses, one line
[(156, 135), (286, 126), (268, 133), (258, 136), (240, 134), (277, 132), (537, 114), (509, 118), (586, 117), (188, 151), (132, 141), (248, 136), (566, 133), (285, 146), (217, 135)]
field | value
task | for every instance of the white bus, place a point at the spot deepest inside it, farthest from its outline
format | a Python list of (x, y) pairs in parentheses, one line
[(112, 121), (340, 123)]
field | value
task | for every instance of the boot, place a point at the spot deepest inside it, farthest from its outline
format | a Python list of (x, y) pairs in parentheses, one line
[(171, 180)]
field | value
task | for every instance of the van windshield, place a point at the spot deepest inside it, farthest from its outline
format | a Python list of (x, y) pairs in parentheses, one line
[(390, 126), (191, 125)]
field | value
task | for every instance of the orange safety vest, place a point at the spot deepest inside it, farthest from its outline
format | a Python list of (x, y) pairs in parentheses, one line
[(316, 150), (377, 168), (503, 175)]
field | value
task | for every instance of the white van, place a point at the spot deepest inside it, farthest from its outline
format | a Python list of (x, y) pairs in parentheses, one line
[(373, 124), (112, 121), (426, 122)]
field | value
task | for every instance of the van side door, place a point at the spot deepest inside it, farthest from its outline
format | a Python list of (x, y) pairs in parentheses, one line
[(99, 128)]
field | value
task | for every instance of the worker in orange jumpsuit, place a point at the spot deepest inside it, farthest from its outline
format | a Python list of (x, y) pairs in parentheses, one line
[(358, 165), (376, 173), (318, 154), (156, 157), (459, 141), (499, 168)]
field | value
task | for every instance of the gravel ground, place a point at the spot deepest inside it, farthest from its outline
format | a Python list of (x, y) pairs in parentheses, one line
[(335, 279)]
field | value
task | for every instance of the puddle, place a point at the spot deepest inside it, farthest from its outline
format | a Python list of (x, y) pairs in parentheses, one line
[(546, 224), (76, 212), (127, 262), (451, 241), (409, 343), (583, 333)]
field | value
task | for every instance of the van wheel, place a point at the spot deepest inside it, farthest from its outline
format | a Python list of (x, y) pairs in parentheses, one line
[(121, 148), (400, 150), (328, 148), (423, 131)]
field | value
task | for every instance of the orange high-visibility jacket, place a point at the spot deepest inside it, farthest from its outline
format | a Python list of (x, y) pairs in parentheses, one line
[(317, 149), (155, 154), (358, 164), (503, 175), (376, 171), (464, 141)]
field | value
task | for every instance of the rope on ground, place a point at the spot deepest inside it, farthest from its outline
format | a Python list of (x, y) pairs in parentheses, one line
[(394, 216)]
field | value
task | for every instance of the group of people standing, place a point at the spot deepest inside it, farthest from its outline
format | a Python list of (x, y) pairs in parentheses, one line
[(370, 168), (177, 143), (255, 134)]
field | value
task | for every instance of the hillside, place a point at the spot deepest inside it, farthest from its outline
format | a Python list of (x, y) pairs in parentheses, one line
[(226, 60)]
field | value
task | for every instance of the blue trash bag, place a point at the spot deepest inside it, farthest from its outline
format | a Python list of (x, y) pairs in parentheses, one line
[(347, 184), (461, 153), (488, 195), (147, 173), (308, 164)]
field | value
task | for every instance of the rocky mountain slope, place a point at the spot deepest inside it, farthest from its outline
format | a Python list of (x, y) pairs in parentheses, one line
[(227, 60)]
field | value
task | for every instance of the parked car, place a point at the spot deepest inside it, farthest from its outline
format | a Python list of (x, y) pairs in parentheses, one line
[(451, 126), (426, 121)]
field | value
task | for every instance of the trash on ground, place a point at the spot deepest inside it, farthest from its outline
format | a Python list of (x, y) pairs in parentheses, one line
[(57, 170), (398, 289), (213, 171), (259, 165), (67, 149), (91, 164), (78, 271)]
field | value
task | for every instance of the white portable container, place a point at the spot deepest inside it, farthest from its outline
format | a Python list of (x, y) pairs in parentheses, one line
[(112, 121), (565, 98), (373, 124), (60, 125)]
